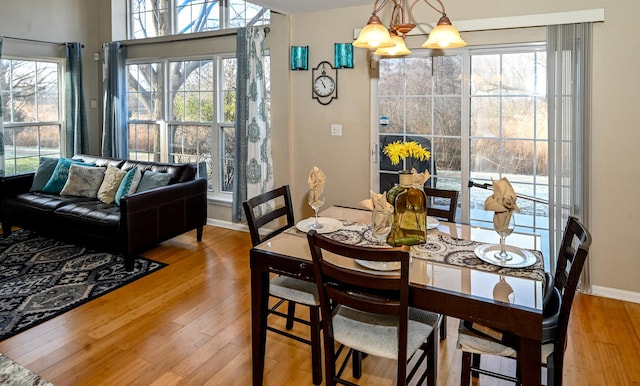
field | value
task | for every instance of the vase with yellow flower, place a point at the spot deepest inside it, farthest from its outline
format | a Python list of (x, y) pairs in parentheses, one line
[(408, 197)]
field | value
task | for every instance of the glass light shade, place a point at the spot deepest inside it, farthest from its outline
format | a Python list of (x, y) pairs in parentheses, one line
[(399, 49), (444, 36), (373, 35)]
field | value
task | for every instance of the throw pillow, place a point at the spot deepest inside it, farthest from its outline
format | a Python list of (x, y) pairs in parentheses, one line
[(60, 174), (129, 184), (83, 181), (151, 179), (43, 173), (112, 179)]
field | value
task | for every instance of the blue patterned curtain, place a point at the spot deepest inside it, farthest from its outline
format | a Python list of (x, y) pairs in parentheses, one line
[(1, 123), (77, 132), (115, 134), (253, 162)]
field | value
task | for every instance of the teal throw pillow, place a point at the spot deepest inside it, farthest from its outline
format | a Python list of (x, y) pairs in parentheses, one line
[(43, 173), (60, 175), (129, 184), (151, 179)]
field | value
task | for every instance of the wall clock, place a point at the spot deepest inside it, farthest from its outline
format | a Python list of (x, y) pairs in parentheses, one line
[(324, 83)]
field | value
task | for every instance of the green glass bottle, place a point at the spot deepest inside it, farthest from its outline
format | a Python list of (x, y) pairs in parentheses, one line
[(410, 217)]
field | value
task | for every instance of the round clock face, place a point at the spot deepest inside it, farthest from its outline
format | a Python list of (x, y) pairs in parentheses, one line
[(324, 85)]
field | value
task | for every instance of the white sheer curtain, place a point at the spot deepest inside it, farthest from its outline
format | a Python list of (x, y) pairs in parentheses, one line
[(569, 93)]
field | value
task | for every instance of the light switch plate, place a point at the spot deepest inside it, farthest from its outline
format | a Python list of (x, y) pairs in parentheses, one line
[(336, 129)]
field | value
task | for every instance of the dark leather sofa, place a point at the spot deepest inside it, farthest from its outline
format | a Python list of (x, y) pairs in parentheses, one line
[(142, 220)]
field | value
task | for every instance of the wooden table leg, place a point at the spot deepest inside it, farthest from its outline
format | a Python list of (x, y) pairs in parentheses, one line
[(259, 303), (529, 357)]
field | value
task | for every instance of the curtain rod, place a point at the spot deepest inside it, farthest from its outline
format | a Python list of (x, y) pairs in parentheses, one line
[(36, 41), (182, 38)]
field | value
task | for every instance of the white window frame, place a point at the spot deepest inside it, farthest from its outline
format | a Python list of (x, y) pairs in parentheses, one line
[(465, 125), (165, 123), (224, 17), (60, 123)]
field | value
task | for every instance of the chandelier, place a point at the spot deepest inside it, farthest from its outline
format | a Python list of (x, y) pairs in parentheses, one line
[(390, 41)]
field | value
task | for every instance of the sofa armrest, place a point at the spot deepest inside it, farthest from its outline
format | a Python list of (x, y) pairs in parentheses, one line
[(15, 184), (150, 217)]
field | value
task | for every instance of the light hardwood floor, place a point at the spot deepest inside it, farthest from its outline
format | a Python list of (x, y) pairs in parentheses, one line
[(189, 324)]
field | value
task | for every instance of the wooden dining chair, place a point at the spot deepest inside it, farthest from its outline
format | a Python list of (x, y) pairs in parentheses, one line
[(369, 313), (442, 203), (556, 312), (269, 214)]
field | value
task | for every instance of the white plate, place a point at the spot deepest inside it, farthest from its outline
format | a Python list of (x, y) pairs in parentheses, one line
[(328, 224), (432, 223), (520, 258), (380, 265)]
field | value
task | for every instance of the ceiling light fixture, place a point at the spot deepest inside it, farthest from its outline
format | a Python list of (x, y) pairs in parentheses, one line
[(390, 42)]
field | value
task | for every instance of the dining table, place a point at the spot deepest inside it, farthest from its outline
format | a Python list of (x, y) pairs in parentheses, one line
[(446, 277)]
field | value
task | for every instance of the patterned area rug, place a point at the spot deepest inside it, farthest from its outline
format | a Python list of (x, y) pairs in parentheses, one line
[(13, 374), (41, 278)]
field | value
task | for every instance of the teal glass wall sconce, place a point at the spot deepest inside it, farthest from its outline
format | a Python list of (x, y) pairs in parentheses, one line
[(300, 57), (343, 55)]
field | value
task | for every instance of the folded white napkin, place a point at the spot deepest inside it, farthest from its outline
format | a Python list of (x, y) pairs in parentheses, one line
[(419, 179), (377, 201), (502, 202), (317, 179)]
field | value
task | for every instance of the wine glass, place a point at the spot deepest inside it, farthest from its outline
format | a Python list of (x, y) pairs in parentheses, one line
[(381, 222), (316, 200), (504, 229)]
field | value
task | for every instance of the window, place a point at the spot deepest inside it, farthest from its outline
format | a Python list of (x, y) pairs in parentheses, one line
[(198, 124), (483, 114), (149, 18), (32, 111)]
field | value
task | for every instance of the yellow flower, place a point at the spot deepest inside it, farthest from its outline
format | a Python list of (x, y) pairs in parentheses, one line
[(398, 150)]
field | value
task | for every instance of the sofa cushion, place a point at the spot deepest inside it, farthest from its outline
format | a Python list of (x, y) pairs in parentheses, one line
[(112, 180), (178, 172), (151, 179), (43, 173), (93, 215), (129, 184), (83, 181), (60, 175), (37, 204)]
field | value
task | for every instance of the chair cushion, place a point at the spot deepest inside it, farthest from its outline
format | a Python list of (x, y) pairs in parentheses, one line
[(377, 335), (299, 291), (472, 342)]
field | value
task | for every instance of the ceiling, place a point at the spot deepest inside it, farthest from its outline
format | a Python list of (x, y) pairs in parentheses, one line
[(296, 6)]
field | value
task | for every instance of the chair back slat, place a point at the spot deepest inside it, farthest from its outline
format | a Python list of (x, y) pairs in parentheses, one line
[(448, 214), (272, 208)]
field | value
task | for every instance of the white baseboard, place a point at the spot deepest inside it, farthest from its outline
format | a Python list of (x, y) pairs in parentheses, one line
[(227, 225), (627, 296)]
